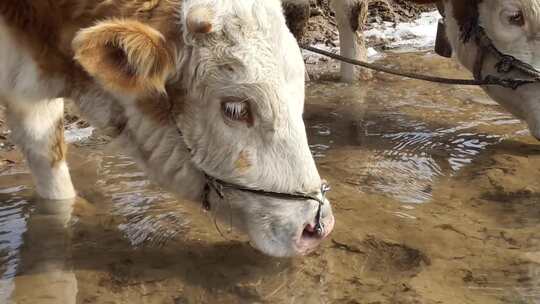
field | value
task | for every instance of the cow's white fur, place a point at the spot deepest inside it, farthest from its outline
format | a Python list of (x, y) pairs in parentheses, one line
[(250, 54), (522, 43)]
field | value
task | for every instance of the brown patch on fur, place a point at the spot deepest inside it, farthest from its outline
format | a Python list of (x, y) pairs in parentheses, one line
[(46, 28), (243, 164), (161, 108), (37, 26), (58, 145), (148, 6), (125, 55), (199, 20)]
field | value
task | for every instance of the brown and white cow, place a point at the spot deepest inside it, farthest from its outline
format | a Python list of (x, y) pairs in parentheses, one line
[(513, 26), (227, 73)]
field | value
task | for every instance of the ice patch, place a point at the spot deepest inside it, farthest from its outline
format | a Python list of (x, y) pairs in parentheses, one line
[(419, 34), (78, 134)]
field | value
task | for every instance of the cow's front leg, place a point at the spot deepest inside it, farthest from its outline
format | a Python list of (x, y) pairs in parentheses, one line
[(37, 129), (351, 16)]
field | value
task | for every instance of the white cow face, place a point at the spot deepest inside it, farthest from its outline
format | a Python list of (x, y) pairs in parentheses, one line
[(243, 119), (514, 27)]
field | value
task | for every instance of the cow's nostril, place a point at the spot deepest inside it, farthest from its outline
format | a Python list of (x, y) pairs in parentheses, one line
[(310, 232)]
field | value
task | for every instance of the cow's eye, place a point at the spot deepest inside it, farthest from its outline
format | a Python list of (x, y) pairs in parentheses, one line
[(516, 18), (236, 110)]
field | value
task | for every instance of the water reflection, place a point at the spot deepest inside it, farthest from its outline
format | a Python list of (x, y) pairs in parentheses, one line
[(403, 152), (152, 217), (13, 217), (35, 249), (45, 274), (416, 155)]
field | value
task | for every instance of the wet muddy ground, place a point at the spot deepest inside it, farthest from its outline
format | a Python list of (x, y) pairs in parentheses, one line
[(436, 194)]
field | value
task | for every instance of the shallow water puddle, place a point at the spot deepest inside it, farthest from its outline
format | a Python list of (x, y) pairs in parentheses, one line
[(13, 213), (36, 240), (405, 138), (152, 216), (403, 156), (435, 192)]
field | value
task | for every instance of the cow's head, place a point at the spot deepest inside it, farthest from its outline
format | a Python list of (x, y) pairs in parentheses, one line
[(241, 77), (514, 29)]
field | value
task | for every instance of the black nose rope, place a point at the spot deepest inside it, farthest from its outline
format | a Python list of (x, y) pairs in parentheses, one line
[(219, 186)]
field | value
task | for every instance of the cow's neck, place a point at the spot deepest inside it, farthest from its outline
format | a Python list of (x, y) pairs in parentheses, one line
[(144, 130)]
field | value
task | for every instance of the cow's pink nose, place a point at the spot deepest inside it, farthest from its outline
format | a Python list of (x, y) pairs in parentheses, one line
[(310, 239)]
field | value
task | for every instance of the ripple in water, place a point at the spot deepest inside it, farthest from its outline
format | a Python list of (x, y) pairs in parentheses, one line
[(13, 217), (152, 217), (408, 169), (405, 156)]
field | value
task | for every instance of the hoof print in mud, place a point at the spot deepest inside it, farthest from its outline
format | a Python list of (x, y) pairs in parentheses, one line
[(396, 259)]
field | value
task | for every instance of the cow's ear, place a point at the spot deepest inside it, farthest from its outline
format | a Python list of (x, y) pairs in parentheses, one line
[(125, 56)]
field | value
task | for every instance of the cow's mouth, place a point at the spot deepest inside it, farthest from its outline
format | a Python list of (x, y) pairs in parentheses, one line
[(309, 239)]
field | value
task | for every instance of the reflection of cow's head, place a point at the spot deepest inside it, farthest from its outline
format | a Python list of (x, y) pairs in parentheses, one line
[(514, 29), (236, 86)]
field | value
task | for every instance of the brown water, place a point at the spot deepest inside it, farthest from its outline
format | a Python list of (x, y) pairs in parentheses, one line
[(436, 195)]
